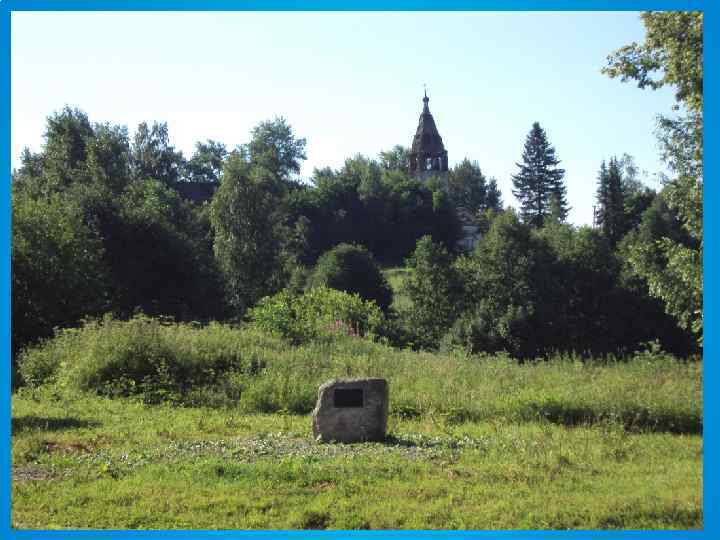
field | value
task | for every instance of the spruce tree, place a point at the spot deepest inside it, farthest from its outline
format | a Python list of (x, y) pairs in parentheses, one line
[(539, 184), (610, 215)]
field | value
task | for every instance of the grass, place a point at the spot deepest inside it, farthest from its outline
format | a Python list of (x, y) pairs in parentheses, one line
[(395, 278), (473, 442)]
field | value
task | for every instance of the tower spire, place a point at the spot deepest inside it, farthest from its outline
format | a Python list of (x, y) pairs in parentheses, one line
[(427, 154)]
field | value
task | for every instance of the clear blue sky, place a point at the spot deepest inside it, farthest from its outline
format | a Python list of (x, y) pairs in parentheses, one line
[(348, 82)]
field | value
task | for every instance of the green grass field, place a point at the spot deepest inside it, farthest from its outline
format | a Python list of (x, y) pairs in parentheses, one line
[(473, 442)]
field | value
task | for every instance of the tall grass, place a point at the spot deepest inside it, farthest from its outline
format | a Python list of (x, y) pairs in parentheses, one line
[(243, 368), (396, 277)]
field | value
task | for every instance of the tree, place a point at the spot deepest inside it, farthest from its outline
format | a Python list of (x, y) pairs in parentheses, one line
[(637, 196), (108, 157), (352, 268), (493, 196), (246, 243), (395, 159), (436, 293), (610, 202), (206, 163), (511, 291), (65, 147), (642, 253), (274, 147), (58, 269), (539, 182), (76, 153), (157, 254), (154, 157), (672, 54), (597, 310), (673, 47), (470, 191), (362, 202), (63, 157)]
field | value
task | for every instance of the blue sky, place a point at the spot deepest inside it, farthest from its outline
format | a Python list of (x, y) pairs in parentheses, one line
[(348, 82)]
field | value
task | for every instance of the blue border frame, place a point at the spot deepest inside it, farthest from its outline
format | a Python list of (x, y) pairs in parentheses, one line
[(711, 369)]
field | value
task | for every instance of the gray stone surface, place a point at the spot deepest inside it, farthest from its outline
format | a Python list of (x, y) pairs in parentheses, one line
[(351, 410)]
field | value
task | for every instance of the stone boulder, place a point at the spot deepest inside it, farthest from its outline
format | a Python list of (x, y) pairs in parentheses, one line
[(351, 410)]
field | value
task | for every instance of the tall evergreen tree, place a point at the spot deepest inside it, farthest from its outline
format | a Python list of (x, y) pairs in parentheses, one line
[(539, 184), (610, 198)]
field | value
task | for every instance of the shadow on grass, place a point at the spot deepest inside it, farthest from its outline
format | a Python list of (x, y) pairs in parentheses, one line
[(392, 440), (39, 423), (634, 419), (642, 518)]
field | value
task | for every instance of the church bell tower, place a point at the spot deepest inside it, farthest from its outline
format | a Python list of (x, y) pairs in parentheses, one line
[(427, 153)]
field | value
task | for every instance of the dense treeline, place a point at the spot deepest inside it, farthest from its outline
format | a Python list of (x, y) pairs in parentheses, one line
[(99, 226)]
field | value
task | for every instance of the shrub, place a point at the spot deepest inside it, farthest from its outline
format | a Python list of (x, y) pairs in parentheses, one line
[(320, 311), (352, 269), (58, 270), (151, 357)]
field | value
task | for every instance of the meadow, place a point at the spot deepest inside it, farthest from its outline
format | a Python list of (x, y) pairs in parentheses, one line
[(147, 424)]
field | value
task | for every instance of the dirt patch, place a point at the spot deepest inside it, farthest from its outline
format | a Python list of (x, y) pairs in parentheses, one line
[(68, 448)]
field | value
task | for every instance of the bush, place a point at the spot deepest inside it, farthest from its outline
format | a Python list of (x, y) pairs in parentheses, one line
[(352, 268), (320, 311), (58, 269), (152, 357)]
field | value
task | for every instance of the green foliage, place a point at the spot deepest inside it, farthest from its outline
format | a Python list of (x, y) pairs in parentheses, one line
[(246, 243), (352, 268), (532, 292), (151, 357), (154, 157), (539, 184), (637, 197), (610, 213), (159, 259), (259, 373), (509, 283), (59, 273), (395, 159), (274, 147), (115, 241), (75, 153), (318, 312), (396, 278), (673, 48), (470, 192), (434, 289), (362, 201), (206, 163), (65, 148), (664, 258)]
